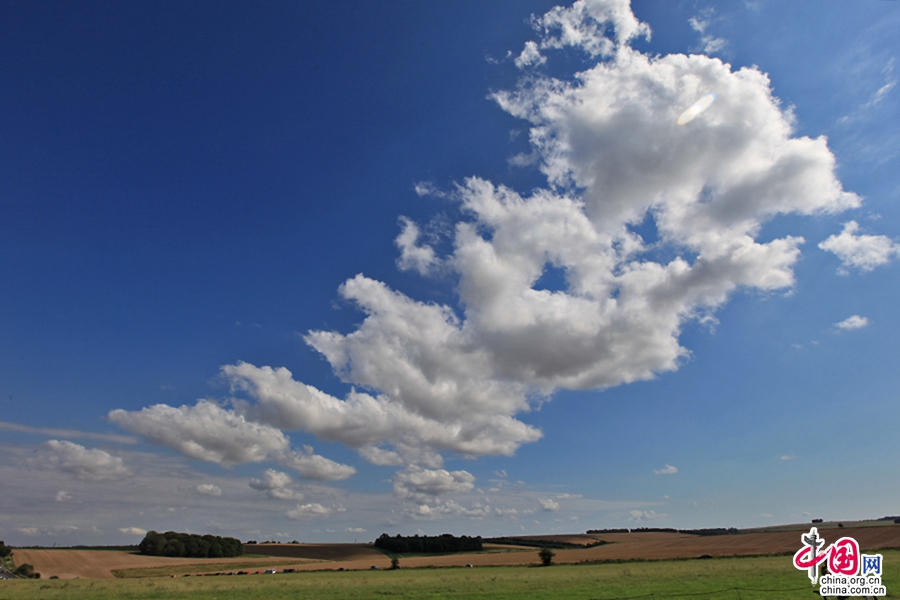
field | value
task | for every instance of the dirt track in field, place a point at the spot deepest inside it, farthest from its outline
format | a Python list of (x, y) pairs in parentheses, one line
[(621, 546)]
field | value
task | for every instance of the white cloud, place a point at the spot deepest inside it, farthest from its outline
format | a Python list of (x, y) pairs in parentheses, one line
[(864, 252), (62, 496), (86, 464), (209, 432), (700, 23), (667, 470), (548, 504), (208, 489), (313, 466), (271, 480), (886, 84), (133, 530), (412, 256), (530, 55), (69, 433), (205, 431), (854, 322), (309, 511), (277, 485), (640, 516), (380, 456), (430, 378), (439, 396), (433, 508), (418, 483), (583, 24)]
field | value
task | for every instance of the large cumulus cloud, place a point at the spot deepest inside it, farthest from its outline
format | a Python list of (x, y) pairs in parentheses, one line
[(210, 432), (651, 223), (87, 464)]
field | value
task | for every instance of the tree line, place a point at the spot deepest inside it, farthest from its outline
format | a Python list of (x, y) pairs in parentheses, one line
[(190, 545), (708, 531), (428, 544)]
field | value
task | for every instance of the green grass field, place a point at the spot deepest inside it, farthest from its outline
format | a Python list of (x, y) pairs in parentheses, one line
[(713, 579)]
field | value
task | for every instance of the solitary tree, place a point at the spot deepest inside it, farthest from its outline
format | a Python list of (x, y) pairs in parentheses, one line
[(546, 555)]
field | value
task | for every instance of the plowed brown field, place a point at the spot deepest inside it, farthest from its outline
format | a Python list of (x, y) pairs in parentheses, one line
[(330, 552), (622, 546)]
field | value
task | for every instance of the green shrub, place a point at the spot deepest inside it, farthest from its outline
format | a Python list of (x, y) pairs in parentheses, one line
[(546, 555)]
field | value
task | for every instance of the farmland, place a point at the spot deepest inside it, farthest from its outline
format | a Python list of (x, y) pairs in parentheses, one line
[(629, 564), (715, 579)]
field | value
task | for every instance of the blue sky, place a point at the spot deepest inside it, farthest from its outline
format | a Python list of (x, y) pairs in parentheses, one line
[(293, 271)]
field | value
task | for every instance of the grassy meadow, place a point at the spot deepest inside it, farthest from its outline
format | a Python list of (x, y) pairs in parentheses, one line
[(713, 579)]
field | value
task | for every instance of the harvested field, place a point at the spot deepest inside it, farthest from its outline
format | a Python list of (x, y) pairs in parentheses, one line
[(579, 539), (318, 557), (100, 564), (331, 552)]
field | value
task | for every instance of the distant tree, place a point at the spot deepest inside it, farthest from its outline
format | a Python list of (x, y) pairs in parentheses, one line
[(4, 550), (423, 544), (546, 555), (174, 548), (26, 570), (189, 545), (395, 563)]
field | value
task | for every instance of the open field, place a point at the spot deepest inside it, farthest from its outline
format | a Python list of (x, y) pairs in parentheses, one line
[(714, 579), (100, 564), (320, 552), (65, 563)]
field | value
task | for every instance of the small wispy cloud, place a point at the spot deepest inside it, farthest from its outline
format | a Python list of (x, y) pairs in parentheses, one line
[(548, 504), (311, 511), (851, 323), (888, 83), (640, 516), (68, 433), (208, 489), (700, 23), (277, 485), (667, 470)]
